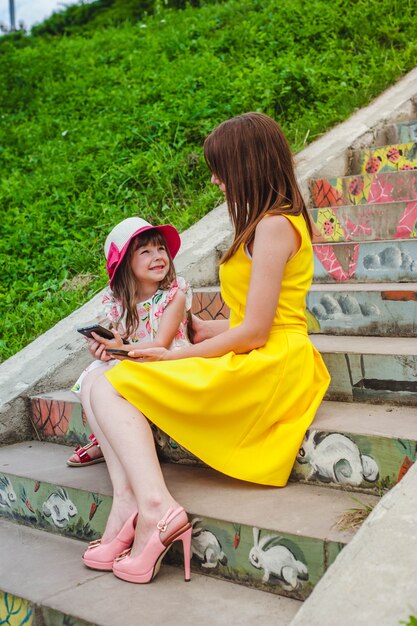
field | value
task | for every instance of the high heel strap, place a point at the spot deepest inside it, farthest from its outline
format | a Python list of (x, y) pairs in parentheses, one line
[(168, 517)]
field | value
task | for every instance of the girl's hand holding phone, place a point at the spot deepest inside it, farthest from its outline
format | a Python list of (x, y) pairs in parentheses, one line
[(116, 343), (98, 350)]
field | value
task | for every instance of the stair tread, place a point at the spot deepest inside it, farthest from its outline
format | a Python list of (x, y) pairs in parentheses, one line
[(54, 576), (202, 491), (365, 345), (367, 419), (361, 418)]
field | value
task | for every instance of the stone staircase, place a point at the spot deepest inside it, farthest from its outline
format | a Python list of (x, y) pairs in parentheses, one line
[(362, 314)]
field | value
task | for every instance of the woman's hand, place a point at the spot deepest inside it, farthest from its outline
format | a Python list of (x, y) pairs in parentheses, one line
[(150, 354)]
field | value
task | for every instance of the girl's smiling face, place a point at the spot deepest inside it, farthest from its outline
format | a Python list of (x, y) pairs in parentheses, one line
[(150, 263), (216, 181)]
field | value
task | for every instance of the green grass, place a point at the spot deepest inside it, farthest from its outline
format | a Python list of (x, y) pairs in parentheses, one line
[(108, 123)]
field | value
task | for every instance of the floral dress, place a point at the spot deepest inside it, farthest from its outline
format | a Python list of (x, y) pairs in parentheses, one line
[(150, 313)]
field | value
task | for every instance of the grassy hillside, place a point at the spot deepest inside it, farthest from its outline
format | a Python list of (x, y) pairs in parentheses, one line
[(109, 122)]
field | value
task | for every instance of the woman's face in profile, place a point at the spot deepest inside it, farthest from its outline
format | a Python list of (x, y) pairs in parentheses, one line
[(216, 181)]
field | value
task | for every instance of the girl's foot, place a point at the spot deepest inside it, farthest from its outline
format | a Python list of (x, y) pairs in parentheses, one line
[(90, 454)]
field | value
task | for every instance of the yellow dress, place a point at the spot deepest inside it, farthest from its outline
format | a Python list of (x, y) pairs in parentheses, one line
[(243, 414)]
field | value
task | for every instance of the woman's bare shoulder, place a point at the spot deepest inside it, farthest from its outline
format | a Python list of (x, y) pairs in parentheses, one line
[(272, 226)]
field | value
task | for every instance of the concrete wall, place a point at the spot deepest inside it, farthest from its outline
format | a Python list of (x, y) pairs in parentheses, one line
[(373, 581)]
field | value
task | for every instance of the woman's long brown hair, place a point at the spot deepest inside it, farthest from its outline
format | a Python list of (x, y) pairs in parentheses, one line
[(251, 157), (124, 284)]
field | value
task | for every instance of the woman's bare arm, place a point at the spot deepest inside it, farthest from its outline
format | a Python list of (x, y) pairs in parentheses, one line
[(276, 241)]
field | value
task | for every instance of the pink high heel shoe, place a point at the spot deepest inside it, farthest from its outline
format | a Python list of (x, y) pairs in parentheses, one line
[(144, 567), (101, 555)]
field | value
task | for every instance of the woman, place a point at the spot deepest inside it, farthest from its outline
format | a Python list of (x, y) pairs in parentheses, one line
[(243, 395)]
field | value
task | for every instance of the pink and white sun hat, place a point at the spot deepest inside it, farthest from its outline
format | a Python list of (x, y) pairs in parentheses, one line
[(118, 241)]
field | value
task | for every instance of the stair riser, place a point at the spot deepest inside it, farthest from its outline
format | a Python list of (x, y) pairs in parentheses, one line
[(367, 222), (376, 261), (383, 313), (17, 611), (375, 378), (70, 512), (369, 463), (14, 610), (391, 455), (403, 132), (230, 552), (347, 460), (220, 548), (60, 421), (365, 189), (391, 158)]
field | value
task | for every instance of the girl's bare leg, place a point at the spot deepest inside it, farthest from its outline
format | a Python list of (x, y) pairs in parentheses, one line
[(132, 441), (94, 452), (124, 503)]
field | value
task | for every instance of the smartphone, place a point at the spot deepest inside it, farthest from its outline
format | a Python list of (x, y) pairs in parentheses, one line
[(117, 351), (99, 330)]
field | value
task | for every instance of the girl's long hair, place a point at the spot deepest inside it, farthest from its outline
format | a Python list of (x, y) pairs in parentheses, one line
[(250, 155), (125, 283)]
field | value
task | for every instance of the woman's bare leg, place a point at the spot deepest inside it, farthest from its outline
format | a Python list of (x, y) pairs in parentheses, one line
[(132, 441), (124, 503)]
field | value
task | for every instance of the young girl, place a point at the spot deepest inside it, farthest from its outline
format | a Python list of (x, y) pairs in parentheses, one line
[(243, 395), (142, 285)]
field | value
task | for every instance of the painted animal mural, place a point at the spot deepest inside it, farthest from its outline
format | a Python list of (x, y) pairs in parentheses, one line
[(334, 458), (206, 547), (7, 493), (59, 508), (277, 561)]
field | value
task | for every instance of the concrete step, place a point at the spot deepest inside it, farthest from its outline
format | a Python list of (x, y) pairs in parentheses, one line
[(370, 369), (379, 309), (364, 189), (374, 446), (366, 261), (43, 581), (365, 222), (234, 522), (385, 434), (391, 158)]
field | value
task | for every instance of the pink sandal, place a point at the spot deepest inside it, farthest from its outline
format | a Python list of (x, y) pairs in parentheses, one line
[(144, 567), (84, 457), (101, 555)]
